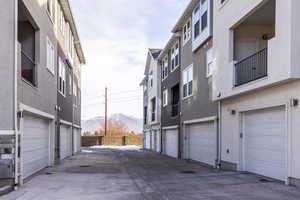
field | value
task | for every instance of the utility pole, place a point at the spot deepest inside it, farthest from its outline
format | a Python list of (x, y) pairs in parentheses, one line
[(105, 118)]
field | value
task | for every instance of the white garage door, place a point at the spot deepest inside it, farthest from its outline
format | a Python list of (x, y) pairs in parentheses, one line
[(153, 140), (202, 142), (147, 139), (172, 142), (35, 144), (264, 142), (158, 144), (65, 141), (77, 140)]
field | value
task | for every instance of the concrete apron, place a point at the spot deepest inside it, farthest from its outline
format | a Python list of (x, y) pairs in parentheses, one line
[(6, 186)]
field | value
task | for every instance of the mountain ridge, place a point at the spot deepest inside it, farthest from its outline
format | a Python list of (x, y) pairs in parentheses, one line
[(132, 123)]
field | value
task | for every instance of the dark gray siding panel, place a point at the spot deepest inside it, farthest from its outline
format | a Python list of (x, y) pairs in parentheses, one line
[(7, 54), (200, 105), (166, 112), (65, 102)]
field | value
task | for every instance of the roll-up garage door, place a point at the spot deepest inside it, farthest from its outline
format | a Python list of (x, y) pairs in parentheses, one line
[(65, 141), (147, 139), (77, 140), (202, 142), (171, 138), (264, 134), (35, 144)]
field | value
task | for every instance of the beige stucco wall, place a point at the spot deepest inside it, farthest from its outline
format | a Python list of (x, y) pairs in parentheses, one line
[(280, 48), (275, 96)]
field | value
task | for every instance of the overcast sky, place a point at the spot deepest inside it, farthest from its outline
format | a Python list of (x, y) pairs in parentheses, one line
[(115, 35)]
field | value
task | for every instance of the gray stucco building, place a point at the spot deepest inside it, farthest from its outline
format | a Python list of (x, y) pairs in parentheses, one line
[(41, 70)]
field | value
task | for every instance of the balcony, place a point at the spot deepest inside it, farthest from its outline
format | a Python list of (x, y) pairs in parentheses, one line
[(27, 30), (153, 114), (175, 110), (252, 68), (251, 44), (28, 68)]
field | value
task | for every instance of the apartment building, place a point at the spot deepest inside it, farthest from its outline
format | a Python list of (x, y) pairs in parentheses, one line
[(42, 85), (256, 79), (199, 114), (152, 101), (169, 60)]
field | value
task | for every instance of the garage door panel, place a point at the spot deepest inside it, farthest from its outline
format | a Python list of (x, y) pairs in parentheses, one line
[(275, 144), (147, 139), (65, 141), (265, 142), (202, 142), (172, 143), (35, 144)]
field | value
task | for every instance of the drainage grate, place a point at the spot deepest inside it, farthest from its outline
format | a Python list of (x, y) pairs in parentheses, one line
[(85, 166), (188, 172), (263, 180)]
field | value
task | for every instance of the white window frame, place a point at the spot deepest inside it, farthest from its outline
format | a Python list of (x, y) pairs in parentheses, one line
[(209, 62), (188, 78), (70, 84), (187, 31), (62, 77), (204, 6), (165, 64), (165, 97), (75, 94), (50, 56), (174, 53)]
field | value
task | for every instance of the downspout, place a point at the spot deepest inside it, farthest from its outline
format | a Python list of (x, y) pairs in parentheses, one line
[(219, 136), (16, 153)]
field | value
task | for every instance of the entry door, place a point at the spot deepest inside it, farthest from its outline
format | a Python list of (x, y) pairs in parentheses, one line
[(35, 144), (172, 143), (265, 142), (203, 142)]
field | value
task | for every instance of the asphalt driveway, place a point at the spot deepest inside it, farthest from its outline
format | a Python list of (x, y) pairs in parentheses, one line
[(109, 174)]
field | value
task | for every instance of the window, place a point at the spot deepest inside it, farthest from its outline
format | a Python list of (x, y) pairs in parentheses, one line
[(209, 60), (60, 19), (49, 7), (70, 84), (75, 93), (204, 21), (175, 56), (145, 114), (187, 31), (196, 29), (187, 81), (153, 109), (62, 77), (165, 63), (165, 98), (200, 18), (50, 56)]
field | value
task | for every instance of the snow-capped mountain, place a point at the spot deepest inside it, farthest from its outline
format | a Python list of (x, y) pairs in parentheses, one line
[(133, 124)]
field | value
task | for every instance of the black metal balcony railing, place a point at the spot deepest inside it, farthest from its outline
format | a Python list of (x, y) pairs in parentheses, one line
[(152, 116), (174, 110), (252, 68), (28, 68)]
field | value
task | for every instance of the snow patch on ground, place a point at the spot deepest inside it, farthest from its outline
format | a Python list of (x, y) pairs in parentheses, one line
[(121, 148), (86, 151)]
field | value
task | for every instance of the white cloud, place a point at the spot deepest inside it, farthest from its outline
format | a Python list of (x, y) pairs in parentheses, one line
[(115, 36)]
